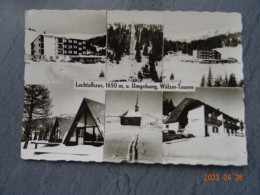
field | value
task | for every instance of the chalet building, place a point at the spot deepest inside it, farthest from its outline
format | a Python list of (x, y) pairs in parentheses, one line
[(132, 117), (60, 127), (201, 120), (208, 54), (87, 127), (52, 48)]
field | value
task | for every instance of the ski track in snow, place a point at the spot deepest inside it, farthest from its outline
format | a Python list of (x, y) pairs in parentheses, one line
[(133, 144), (132, 149)]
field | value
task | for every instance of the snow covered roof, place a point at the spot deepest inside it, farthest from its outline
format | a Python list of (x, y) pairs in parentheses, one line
[(177, 112), (64, 124), (97, 109), (189, 104), (131, 113)]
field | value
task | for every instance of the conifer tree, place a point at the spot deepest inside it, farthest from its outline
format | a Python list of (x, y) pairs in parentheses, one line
[(232, 82), (37, 105), (241, 83), (140, 76), (172, 77), (138, 52), (203, 81), (165, 107), (210, 78), (153, 71), (170, 106), (225, 82), (217, 82), (221, 81), (145, 52)]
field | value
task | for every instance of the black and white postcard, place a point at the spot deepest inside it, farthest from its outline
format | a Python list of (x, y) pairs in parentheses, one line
[(134, 87), (134, 46), (61, 123), (203, 48), (133, 127), (64, 46), (204, 127)]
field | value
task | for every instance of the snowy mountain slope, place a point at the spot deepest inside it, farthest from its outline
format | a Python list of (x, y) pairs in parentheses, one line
[(188, 37)]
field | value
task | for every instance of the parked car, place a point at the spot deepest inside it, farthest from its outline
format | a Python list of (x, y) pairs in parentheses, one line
[(35, 60), (169, 135)]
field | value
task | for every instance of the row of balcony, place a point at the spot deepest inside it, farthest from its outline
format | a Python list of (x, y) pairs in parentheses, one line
[(217, 122), (231, 126), (213, 121)]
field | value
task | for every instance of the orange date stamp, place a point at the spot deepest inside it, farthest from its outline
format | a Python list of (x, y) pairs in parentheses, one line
[(225, 177)]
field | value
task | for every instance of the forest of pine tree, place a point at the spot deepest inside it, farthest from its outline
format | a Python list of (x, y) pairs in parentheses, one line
[(168, 106), (230, 40), (148, 44), (119, 37), (100, 42), (218, 81)]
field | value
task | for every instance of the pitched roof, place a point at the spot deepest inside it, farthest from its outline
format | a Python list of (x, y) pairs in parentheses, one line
[(189, 104), (176, 113), (97, 109), (131, 113), (64, 124)]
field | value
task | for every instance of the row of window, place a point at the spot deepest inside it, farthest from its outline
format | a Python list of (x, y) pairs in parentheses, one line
[(74, 47), (71, 52), (61, 40)]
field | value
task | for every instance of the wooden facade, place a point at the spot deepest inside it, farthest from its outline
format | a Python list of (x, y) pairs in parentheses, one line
[(87, 126), (134, 121)]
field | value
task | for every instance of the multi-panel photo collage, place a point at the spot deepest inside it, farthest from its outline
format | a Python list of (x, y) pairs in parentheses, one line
[(205, 126)]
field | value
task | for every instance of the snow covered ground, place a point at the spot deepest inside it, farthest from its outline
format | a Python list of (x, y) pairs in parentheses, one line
[(187, 69), (206, 151), (133, 143), (127, 68), (62, 73), (83, 153)]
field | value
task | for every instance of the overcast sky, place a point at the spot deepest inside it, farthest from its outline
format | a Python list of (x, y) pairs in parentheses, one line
[(227, 100), (142, 17), (179, 23), (66, 21), (67, 100), (121, 101)]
